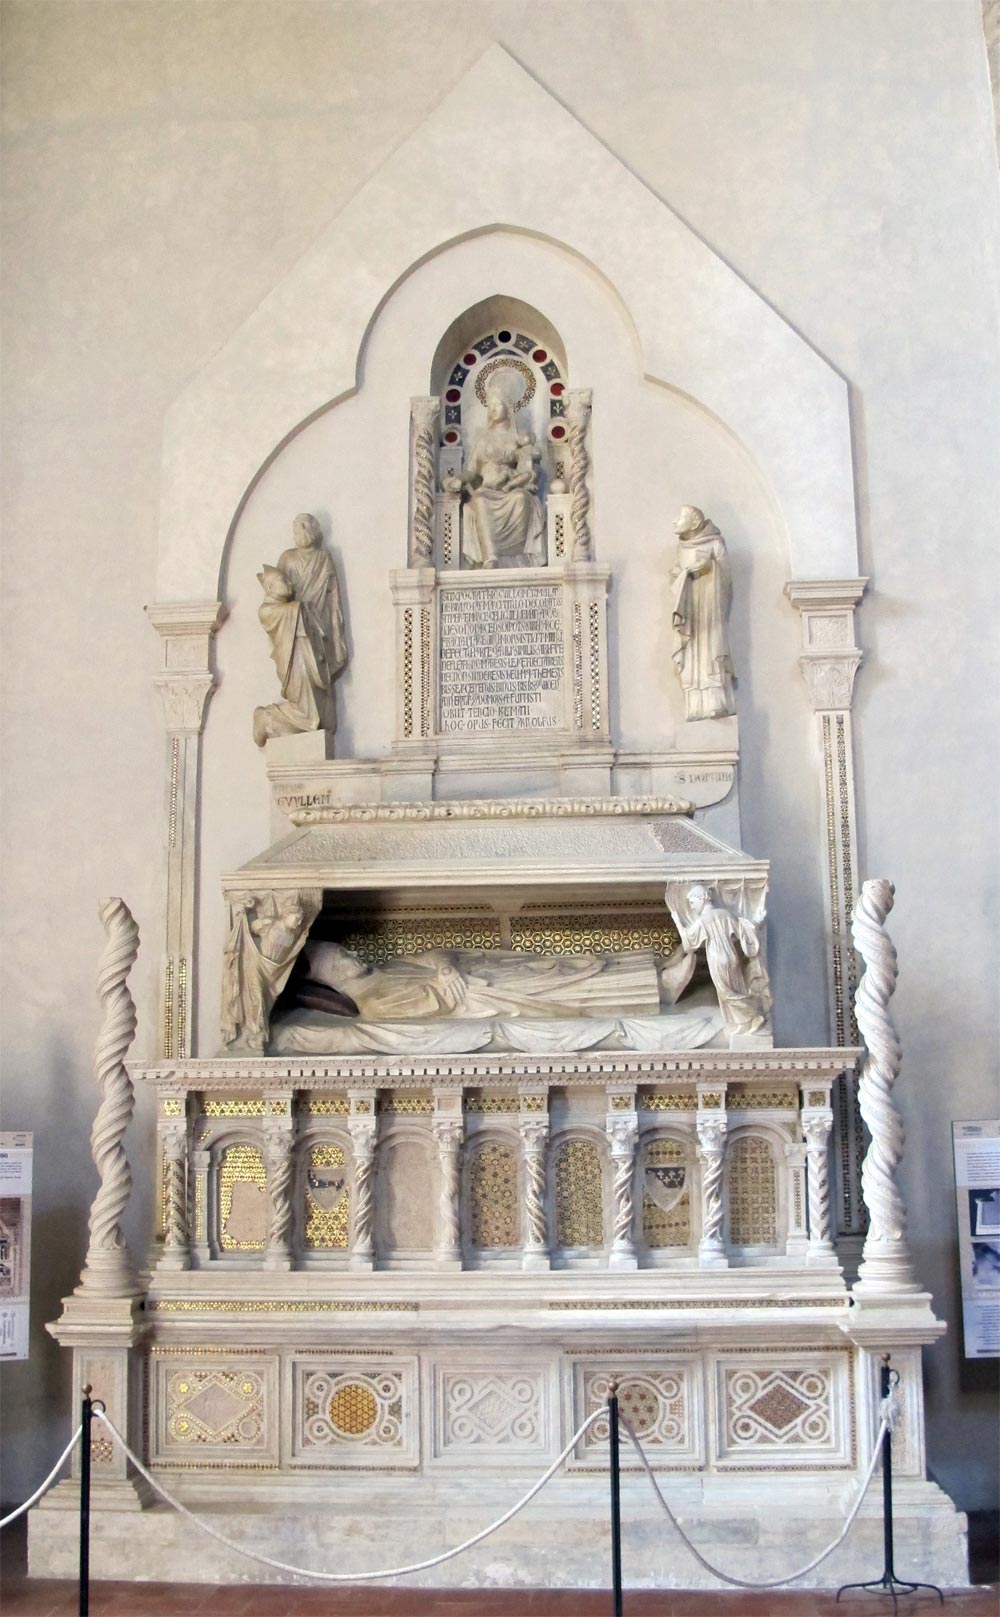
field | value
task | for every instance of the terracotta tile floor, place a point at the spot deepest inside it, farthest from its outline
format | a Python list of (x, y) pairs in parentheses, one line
[(21, 1596)]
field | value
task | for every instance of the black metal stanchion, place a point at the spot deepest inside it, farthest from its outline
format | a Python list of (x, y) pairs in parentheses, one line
[(888, 1583), (616, 1502), (86, 1419)]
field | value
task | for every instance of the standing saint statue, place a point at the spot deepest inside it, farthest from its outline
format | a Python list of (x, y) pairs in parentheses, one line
[(702, 594), (504, 525), (302, 617)]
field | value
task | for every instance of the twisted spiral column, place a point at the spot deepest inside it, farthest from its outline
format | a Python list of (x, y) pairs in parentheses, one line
[(577, 418), (425, 414), (279, 1201), (176, 1236), (817, 1131), (534, 1137), (108, 1269), (449, 1134), (885, 1260), (363, 1244), (711, 1144), (623, 1135)]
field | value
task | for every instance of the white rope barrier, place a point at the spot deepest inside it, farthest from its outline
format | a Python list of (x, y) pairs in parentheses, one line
[(765, 1583), (352, 1577), (49, 1480)]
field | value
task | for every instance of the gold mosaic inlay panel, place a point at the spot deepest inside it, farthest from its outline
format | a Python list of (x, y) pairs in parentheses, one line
[(593, 932), (234, 1106), (326, 1106), (401, 1104), (172, 1108), (493, 1196), (241, 1165), (353, 1409), (489, 1105), (328, 1199), (378, 938), (752, 1193), (579, 1205), (671, 1100), (666, 1200), (745, 1097)]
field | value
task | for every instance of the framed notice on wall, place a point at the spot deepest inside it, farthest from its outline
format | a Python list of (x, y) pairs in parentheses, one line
[(977, 1187), (15, 1243)]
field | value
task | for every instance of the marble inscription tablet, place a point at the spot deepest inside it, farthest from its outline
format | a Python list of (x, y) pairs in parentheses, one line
[(501, 659)]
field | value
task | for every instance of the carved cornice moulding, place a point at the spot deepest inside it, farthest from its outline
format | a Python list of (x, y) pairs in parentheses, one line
[(491, 809), (618, 1066), (829, 594)]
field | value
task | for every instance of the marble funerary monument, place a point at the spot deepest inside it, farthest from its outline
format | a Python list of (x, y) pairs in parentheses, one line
[(496, 1110)]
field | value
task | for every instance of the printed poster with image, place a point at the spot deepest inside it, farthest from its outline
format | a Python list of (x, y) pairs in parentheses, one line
[(15, 1243), (977, 1190)]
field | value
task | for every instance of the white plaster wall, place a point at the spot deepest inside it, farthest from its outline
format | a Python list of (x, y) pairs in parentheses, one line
[(167, 163)]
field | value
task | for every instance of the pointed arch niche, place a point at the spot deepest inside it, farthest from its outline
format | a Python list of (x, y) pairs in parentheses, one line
[(700, 392)]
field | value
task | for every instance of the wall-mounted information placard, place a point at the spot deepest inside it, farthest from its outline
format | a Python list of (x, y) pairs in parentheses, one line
[(15, 1243), (977, 1188)]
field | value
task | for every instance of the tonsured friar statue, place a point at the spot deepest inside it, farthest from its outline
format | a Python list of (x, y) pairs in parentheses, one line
[(302, 617), (702, 594)]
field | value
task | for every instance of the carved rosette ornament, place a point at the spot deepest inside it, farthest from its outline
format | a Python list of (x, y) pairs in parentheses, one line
[(711, 1145), (885, 1263), (578, 421), (108, 1270), (449, 1134), (425, 415), (817, 1131)]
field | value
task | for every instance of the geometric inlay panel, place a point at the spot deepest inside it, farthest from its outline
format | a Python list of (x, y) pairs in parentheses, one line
[(489, 1411), (792, 1411), (354, 1412), (661, 1402), (222, 1411)]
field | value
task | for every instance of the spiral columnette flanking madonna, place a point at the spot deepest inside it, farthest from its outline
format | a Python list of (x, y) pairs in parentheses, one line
[(108, 1269), (885, 1264), (579, 509), (425, 415)]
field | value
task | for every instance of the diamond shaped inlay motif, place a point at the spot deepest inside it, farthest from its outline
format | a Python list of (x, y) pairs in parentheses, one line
[(779, 1407), (789, 1407)]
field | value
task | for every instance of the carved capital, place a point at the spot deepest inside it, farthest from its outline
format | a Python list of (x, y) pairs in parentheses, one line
[(830, 679), (449, 1132), (579, 401), (830, 655), (185, 701), (534, 1134), (623, 1133)]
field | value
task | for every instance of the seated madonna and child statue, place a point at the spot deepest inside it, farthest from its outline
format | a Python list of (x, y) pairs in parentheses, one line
[(478, 998), (503, 523)]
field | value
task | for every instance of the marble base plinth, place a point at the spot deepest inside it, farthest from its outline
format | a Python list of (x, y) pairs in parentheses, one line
[(752, 1527)]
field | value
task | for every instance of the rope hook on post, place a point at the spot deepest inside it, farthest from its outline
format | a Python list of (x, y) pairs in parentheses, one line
[(888, 1583), (616, 1502)]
